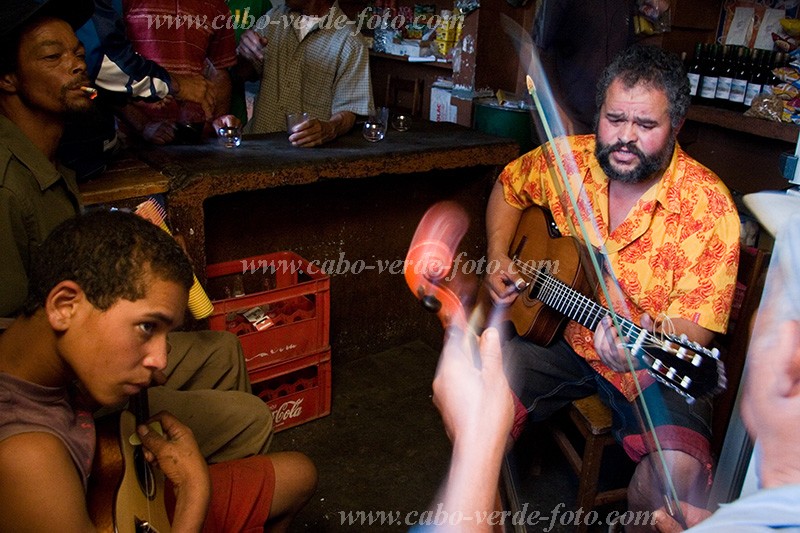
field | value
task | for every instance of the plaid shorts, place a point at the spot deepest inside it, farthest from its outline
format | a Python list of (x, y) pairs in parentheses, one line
[(547, 378)]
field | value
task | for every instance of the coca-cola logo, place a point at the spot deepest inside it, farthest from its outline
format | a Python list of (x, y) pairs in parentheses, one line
[(288, 410)]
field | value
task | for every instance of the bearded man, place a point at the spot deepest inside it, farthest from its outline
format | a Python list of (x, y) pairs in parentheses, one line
[(666, 227)]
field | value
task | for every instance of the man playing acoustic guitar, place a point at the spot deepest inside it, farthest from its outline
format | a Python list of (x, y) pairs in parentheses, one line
[(669, 231), (105, 290)]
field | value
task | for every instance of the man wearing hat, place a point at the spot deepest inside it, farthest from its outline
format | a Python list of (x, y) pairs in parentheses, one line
[(41, 83)]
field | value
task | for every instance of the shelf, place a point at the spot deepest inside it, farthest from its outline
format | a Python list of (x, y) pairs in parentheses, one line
[(404, 59), (736, 121)]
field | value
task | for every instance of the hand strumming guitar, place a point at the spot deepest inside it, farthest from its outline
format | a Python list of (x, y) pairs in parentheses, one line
[(177, 455)]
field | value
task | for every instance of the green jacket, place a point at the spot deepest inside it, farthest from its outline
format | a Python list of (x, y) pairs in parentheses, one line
[(35, 197)]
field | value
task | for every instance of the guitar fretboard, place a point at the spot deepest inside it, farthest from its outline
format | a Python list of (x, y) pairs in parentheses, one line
[(559, 296)]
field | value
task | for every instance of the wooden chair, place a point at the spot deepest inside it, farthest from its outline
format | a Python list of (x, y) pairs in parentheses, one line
[(401, 91), (592, 419)]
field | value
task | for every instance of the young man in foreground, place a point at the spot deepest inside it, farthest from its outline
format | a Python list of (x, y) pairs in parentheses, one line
[(105, 289)]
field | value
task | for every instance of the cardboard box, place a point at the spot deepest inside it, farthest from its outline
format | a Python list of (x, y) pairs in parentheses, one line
[(441, 108), (410, 48), (444, 47)]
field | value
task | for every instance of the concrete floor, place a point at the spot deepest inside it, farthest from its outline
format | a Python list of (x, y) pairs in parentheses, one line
[(383, 449)]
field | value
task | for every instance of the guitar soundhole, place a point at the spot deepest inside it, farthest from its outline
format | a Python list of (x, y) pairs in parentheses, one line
[(144, 475)]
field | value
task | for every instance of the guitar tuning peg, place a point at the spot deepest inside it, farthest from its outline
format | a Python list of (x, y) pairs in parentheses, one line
[(715, 353)]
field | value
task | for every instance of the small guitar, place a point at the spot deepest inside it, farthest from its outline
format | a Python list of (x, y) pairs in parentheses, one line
[(126, 494), (556, 289)]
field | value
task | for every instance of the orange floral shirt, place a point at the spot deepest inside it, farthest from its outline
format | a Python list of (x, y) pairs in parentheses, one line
[(676, 253)]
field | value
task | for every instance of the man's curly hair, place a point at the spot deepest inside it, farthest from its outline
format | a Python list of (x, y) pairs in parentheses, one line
[(110, 255), (654, 67)]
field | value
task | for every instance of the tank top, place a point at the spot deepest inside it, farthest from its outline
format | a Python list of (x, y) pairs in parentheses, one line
[(26, 407)]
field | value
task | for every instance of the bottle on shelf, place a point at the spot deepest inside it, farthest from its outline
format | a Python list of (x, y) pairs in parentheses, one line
[(740, 78), (771, 79), (708, 85), (757, 77), (725, 77), (694, 71)]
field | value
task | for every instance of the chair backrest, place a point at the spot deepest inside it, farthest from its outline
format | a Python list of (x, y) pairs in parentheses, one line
[(404, 94), (750, 279)]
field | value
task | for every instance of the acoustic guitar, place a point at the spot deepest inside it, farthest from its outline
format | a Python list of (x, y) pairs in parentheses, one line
[(126, 493), (556, 289)]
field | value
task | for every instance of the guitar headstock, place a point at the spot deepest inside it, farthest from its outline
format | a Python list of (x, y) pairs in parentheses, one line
[(685, 366)]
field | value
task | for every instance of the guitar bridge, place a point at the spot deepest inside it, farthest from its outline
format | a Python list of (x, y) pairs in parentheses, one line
[(143, 526)]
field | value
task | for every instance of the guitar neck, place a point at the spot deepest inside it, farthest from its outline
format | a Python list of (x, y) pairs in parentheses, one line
[(140, 407), (562, 298)]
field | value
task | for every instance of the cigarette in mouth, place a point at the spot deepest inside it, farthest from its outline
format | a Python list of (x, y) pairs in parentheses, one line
[(91, 92)]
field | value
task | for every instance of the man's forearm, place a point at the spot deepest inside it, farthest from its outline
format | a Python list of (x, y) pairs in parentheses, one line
[(501, 222), (221, 86), (131, 116)]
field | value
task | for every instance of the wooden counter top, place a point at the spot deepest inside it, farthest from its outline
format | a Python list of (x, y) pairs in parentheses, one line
[(196, 173), (269, 160), (125, 179)]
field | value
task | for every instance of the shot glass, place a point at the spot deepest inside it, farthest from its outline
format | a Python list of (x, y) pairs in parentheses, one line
[(293, 119), (374, 130), (230, 136), (376, 124), (383, 115), (401, 122)]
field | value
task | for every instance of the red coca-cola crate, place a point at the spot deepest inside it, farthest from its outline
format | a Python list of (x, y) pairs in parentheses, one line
[(278, 304), (296, 391)]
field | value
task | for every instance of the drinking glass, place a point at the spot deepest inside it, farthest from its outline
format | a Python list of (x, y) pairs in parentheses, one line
[(230, 136), (383, 115), (293, 119), (375, 126), (374, 129), (401, 122)]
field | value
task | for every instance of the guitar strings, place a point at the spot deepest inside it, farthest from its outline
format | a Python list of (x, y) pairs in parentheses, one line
[(544, 280), (556, 289)]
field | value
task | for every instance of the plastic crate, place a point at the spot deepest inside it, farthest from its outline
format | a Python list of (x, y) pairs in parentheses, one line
[(282, 311), (297, 391)]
